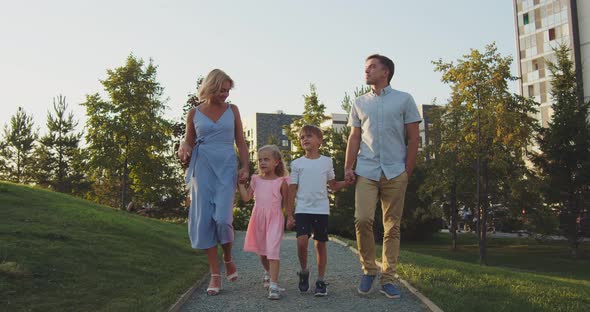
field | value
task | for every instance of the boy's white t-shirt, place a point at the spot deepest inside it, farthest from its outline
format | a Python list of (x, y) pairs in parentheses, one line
[(312, 176)]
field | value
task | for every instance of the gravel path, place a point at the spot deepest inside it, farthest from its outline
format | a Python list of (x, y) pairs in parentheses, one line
[(343, 274)]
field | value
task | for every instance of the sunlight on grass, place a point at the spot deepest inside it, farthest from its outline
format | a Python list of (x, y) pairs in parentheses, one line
[(87, 257), (523, 275)]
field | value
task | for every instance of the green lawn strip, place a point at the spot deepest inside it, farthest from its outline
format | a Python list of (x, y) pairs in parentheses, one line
[(522, 275), (461, 286), (523, 254), (76, 255)]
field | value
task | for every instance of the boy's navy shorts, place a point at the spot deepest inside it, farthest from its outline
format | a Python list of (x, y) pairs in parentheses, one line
[(306, 222)]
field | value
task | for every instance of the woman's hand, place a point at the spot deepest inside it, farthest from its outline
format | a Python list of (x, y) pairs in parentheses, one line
[(184, 152), (243, 175)]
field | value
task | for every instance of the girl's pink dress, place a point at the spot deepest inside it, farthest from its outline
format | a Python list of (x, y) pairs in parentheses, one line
[(265, 229)]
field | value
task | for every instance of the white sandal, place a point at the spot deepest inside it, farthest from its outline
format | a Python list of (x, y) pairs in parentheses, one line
[(234, 276), (214, 291)]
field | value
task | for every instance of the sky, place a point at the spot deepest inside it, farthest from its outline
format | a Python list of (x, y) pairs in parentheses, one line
[(273, 50)]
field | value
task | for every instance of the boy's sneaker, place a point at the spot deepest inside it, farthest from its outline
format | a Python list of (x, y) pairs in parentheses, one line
[(274, 293), (321, 289), (303, 281), (265, 280), (366, 284), (390, 291)]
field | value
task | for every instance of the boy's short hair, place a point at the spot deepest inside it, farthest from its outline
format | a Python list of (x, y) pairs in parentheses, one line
[(313, 130)]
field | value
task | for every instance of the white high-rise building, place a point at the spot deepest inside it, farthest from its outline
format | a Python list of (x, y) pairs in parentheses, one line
[(542, 25)]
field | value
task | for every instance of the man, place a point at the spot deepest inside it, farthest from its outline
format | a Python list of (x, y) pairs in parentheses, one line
[(381, 121)]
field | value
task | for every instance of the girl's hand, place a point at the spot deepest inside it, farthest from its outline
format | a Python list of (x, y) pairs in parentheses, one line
[(290, 222), (243, 175), (184, 152)]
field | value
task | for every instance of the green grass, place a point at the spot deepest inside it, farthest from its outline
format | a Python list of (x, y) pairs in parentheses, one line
[(522, 274), (61, 253)]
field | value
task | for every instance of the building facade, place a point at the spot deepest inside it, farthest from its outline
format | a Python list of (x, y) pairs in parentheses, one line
[(425, 126), (267, 128), (337, 121), (541, 26)]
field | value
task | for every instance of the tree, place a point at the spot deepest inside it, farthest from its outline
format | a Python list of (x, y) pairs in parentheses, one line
[(177, 191), (446, 168), (128, 137), (313, 114), (497, 126), (179, 127), (56, 153), (17, 148), (564, 158)]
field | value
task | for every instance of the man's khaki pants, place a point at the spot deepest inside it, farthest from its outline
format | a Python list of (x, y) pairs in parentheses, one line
[(392, 194)]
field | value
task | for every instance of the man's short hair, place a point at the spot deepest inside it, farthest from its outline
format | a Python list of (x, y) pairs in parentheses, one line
[(313, 130), (385, 61)]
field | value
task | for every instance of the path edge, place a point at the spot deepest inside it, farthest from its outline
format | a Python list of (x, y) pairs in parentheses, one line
[(183, 299), (427, 302)]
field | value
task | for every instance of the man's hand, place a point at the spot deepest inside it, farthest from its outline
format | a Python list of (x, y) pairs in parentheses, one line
[(409, 171), (349, 176)]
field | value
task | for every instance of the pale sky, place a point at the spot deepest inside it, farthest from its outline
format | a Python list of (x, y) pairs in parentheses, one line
[(272, 49)]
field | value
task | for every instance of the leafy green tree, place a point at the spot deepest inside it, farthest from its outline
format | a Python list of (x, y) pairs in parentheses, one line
[(314, 113), (497, 127), (177, 192), (178, 128), (421, 218), (564, 160), (447, 171), (128, 137), (57, 150), (16, 150)]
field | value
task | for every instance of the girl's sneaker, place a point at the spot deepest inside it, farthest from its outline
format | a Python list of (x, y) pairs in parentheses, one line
[(265, 280), (274, 293)]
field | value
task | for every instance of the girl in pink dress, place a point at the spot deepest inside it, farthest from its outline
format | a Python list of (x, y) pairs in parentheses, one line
[(265, 229)]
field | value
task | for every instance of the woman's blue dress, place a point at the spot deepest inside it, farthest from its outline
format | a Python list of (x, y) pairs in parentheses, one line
[(212, 179)]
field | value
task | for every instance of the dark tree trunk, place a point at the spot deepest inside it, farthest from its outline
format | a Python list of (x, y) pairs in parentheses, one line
[(481, 220), (454, 216)]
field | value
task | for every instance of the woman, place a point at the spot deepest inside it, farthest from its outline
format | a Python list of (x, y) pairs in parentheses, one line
[(211, 130)]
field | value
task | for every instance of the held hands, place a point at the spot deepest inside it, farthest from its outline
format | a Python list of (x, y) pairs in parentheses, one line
[(184, 152), (243, 175), (349, 176), (290, 222)]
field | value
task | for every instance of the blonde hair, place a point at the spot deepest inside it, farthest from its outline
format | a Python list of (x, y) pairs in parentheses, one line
[(280, 169), (212, 84)]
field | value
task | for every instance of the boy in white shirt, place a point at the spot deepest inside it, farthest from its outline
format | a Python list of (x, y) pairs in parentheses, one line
[(310, 176)]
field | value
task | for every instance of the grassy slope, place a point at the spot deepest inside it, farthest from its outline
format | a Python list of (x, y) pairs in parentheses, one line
[(71, 254)]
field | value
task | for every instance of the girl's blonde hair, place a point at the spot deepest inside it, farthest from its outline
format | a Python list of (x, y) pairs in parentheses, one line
[(212, 84), (280, 169)]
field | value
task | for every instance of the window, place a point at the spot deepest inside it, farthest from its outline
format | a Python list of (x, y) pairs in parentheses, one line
[(283, 131), (525, 18), (531, 90), (551, 34), (285, 142)]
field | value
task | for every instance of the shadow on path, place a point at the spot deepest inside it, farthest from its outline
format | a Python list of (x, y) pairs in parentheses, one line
[(343, 274)]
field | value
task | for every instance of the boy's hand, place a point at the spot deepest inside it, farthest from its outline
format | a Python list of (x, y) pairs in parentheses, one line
[(290, 222)]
